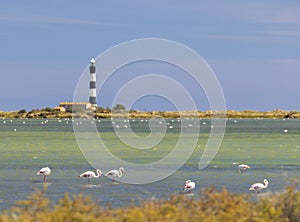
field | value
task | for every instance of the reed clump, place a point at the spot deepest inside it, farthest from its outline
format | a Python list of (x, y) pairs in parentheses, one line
[(212, 205)]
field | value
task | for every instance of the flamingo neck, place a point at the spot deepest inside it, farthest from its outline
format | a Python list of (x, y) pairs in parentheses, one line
[(120, 173), (98, 173)]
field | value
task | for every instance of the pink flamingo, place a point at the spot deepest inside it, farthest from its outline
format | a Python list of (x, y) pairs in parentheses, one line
[(91, 174), (45, 171), (115, 173), (242, 168), (259, 186), (189, 186)]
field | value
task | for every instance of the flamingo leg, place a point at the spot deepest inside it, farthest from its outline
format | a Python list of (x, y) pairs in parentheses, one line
[(44, 179), (88, 180), (113, 179)]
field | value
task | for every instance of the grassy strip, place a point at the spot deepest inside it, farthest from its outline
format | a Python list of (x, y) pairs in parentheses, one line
[(211, 206), (50, 113)]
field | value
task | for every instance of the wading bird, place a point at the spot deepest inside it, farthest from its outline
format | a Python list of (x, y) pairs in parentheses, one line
[(259, 186), (115, 173), (189, 186), (91, 174), (242, 167), (45, 171)]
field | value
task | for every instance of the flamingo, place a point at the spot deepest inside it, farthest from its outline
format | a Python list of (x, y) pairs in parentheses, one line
[(91, 174), (115, 173), (259, 186), (45, 171), (242, 167), (189, 186)]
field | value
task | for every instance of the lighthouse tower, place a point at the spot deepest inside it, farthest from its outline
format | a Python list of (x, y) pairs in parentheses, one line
[(92, 90)]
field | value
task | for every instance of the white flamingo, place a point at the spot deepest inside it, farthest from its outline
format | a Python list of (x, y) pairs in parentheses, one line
[(115, 173), (45, 171), (91, 174), (259, 186), (189, 186)]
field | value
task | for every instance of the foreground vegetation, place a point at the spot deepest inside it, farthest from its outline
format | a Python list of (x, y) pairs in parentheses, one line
[(212, 205), (107, 113)]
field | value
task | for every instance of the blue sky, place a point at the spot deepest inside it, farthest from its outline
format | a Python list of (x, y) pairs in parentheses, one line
[(253, 47)]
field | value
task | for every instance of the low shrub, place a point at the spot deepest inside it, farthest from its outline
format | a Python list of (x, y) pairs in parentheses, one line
[(211, 206)]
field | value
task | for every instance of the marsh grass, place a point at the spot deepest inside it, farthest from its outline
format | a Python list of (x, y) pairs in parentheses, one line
[(211, 205)]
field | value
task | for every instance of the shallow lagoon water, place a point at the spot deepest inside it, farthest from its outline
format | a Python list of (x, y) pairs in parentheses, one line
[(270, 146)]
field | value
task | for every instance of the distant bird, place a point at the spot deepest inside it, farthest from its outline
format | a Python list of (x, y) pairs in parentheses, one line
[(259, 186), (45, 171), (115, 173), (189, 186), (91, 174), (242, 167)]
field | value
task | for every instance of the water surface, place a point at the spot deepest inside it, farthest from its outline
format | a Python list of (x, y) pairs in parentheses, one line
[(270, 146)]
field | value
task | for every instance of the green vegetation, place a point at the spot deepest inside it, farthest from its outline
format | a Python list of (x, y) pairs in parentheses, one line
[(119, 108), (119, 111), (212, 205)]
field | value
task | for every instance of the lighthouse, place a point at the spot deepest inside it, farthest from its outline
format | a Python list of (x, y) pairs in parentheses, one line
[(92, 89)]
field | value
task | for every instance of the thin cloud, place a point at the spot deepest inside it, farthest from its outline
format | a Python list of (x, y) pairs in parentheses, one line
[(229, 37), (276, 14), (287, 16), (282, 33), (261, 62), (53, 20), (261, 12), (253, 38), (289, 62)]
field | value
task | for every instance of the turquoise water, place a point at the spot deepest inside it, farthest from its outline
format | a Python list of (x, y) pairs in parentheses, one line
[(270, 146)]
